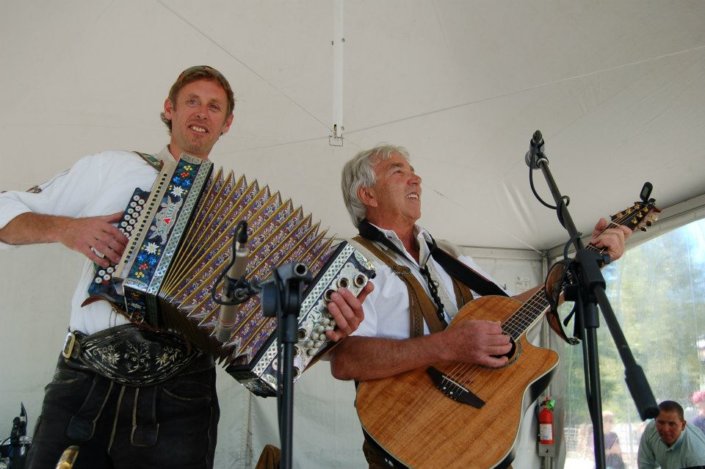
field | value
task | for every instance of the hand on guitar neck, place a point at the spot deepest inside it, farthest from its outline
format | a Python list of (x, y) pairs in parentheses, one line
[(610, 238)]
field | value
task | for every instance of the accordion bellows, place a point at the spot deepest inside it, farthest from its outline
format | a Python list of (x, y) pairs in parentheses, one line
[(180, 242)]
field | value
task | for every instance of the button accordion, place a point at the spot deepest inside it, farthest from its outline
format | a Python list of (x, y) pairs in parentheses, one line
[(180, 238)]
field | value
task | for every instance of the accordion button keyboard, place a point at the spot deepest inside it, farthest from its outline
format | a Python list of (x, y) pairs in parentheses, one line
[(103, 277)]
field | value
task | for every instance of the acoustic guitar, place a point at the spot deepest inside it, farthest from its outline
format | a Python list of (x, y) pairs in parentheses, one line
[(462, 415)]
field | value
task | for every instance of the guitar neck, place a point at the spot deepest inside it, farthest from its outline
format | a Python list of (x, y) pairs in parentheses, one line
[(527, 315), (531, 311)]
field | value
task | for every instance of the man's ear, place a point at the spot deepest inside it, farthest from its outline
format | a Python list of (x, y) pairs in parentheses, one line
[(168, 108), (367, 196), (227, 124)]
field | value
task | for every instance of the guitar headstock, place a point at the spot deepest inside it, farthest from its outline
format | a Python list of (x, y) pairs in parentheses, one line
[(639, 216)]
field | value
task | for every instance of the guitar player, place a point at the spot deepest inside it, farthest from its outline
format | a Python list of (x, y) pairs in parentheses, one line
[(419, 288)]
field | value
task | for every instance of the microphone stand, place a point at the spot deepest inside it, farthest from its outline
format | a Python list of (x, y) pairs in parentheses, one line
[(18, 444), (588, 293), (281, 297)]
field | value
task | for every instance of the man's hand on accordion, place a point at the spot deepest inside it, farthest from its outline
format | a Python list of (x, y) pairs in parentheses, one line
[(95, 237), (346, 309)]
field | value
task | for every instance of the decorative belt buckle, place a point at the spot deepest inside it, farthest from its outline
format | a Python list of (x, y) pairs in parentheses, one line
[(69, 343)]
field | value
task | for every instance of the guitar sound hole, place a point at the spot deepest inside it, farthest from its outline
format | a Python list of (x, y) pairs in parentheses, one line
[(511, 352)]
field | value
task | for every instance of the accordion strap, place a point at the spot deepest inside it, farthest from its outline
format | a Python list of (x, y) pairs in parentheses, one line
[(151, 160)]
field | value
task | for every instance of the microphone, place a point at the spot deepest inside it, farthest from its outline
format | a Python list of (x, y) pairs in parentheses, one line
[(231, 295), (241, 256), (535, 153)]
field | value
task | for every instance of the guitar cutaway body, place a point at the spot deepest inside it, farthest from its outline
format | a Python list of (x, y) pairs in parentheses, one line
[(419, 425)]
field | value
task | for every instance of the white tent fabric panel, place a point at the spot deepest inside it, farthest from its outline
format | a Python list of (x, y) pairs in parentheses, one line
[(614, 87)]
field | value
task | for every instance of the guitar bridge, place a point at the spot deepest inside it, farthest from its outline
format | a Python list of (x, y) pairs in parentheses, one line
[(452, 389)]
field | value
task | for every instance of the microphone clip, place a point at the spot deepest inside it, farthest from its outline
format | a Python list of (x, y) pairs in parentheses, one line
[(236, 289), (535, 156)]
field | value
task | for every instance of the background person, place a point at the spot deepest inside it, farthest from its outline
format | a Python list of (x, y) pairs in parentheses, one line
[(698, 399), (613, 452), (670, 442)]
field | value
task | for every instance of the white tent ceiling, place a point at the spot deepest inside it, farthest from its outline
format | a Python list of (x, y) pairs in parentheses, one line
[(617, 88)]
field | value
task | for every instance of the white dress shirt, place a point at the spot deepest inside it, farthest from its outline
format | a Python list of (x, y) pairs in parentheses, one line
[(99, 184)]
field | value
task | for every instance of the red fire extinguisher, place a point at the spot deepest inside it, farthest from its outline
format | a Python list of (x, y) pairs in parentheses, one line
[(546, 421)]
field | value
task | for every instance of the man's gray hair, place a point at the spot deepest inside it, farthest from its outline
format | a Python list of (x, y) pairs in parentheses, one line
[(359, 172)]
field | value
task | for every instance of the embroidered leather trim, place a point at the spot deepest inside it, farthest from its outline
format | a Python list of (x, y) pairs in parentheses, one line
[(135, 357)]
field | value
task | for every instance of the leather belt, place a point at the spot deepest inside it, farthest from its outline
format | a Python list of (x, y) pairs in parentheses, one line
[(129, 355)]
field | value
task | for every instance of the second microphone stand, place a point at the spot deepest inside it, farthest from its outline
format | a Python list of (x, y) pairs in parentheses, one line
[(589, 292)]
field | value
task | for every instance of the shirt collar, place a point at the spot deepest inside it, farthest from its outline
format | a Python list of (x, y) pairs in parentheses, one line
[(165, 154), (678, 442), (423, 237)]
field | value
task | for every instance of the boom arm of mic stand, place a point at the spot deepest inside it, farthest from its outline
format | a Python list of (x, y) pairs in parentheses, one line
[(592, 289), (634, 375)]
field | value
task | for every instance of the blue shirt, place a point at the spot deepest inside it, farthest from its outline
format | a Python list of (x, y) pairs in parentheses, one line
[(687, 451)]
